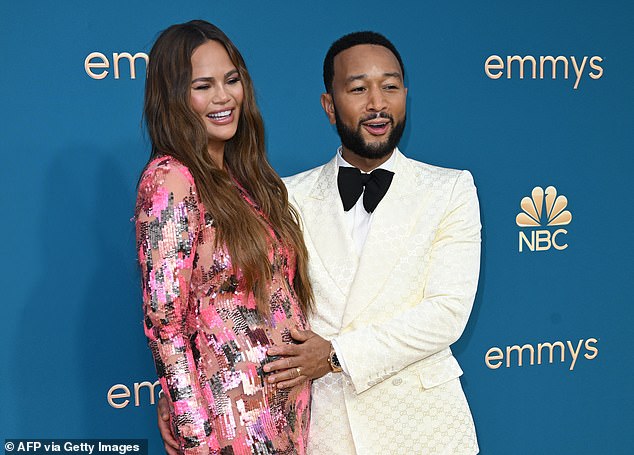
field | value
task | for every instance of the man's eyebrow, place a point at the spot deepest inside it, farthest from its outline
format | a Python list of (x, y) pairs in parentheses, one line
[(395, 74), (356, 77)]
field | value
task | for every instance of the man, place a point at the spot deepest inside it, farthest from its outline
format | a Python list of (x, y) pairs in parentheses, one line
[(394, 260)]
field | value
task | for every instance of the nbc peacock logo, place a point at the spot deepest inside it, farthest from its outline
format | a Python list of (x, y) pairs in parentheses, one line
[(544, 208)]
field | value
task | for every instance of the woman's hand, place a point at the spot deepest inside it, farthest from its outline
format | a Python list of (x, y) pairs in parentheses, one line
[(163, 417)]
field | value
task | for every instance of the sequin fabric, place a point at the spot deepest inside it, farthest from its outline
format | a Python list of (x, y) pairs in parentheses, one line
[(208, 340)]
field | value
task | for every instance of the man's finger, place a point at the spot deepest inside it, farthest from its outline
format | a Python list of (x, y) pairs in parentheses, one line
[(281, 364), (291, 383), (283, 376), (301, 335), (283, 350), (286, 375)]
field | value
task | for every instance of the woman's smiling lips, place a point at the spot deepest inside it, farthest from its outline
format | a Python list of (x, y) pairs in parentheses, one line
[(221, 117)]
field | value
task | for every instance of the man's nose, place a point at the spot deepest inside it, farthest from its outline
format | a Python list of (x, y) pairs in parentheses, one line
[(376, 100)]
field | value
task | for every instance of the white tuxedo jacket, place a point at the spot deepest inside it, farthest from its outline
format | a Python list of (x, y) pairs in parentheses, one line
[(394, 311)]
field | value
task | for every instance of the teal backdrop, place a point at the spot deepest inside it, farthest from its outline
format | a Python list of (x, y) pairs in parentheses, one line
[(547, 352)]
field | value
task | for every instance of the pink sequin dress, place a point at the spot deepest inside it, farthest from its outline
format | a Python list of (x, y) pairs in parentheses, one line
[(208, 340)]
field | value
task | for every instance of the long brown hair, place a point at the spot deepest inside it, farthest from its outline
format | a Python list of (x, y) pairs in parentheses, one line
[(176, 130)]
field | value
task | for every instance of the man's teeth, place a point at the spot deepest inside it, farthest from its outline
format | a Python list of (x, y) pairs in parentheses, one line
[(219, 115)]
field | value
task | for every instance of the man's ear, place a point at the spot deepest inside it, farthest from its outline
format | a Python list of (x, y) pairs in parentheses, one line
[(329, 106)]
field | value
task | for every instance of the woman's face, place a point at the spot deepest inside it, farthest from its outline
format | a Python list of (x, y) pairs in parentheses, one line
[(216, 93)]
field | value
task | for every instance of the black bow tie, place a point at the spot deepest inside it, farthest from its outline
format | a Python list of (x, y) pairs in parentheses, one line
[(351, 183)]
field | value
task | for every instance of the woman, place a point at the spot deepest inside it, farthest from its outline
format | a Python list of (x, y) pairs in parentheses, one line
[(223, 263)]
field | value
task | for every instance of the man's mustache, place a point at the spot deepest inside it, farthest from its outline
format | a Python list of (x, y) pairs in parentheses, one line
[(384, 115)]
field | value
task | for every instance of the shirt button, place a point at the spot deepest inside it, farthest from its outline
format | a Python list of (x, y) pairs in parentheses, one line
[(397, 381)]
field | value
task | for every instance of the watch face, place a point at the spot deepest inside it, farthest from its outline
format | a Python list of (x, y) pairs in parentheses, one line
[(335, 365)]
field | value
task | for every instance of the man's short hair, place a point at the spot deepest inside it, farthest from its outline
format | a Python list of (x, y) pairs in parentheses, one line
[(350, 40)]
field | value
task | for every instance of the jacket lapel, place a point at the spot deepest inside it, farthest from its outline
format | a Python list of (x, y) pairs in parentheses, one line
[(387, 239), (325, 226)]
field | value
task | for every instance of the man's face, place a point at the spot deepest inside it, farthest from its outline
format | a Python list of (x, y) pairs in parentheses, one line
[(367, 103)]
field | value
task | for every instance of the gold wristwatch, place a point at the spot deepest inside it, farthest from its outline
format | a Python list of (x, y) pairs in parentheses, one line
[(335, 365)]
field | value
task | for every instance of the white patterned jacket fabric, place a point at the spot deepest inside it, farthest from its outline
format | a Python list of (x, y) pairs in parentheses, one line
[(394, 311)]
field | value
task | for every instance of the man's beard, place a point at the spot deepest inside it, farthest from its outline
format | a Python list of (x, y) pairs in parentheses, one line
[(353, 139)]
